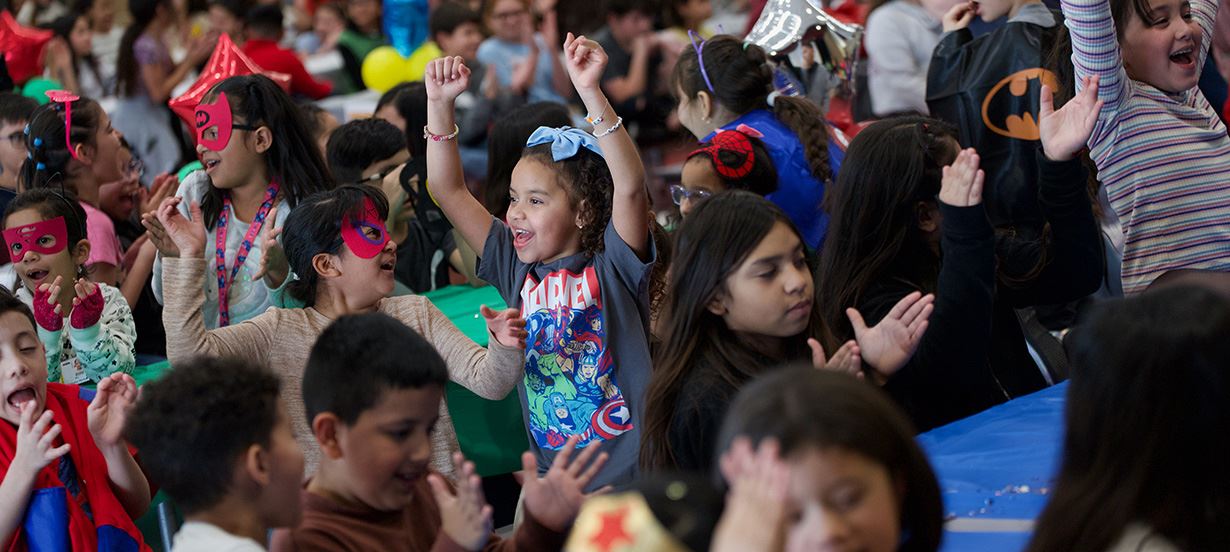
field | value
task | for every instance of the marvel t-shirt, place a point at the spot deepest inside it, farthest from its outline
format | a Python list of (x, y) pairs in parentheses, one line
[(587, 355)]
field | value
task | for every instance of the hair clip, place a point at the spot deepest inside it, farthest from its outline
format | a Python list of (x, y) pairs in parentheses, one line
[(700, 60), (40, 167), (38, 142), (65, 99), (27, 129), (29, 155)]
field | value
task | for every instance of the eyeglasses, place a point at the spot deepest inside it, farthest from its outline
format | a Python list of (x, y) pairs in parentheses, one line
[(135, 168), (679, 193), (377, 178), (503, 16)]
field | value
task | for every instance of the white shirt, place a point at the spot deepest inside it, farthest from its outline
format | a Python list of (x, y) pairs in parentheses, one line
[(198, 536)]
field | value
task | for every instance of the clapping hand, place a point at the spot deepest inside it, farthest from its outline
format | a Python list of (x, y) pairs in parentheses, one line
[(1065, 132), (887, 346), (962, 182), (507, 327), (465, 517), (108, 411), (555, 498)]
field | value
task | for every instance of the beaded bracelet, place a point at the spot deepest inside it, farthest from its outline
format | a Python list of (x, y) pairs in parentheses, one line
[(427, 135), (619, 121)]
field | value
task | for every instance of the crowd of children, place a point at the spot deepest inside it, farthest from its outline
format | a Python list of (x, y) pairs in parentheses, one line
[(705, 278)]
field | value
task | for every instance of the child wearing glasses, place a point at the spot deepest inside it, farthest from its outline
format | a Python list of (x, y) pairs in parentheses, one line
[(731, 160)]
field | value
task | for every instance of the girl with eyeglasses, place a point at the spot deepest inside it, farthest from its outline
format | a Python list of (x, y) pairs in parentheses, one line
[(733, 160)]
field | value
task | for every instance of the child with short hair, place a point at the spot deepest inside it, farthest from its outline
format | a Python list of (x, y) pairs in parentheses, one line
[(215, 436), (1161, 150), (574, 256), (54, 439), (795, 439), (15, 111), (372, 412), (45, 232), (731, 160), (263, 25), (1161, 466)]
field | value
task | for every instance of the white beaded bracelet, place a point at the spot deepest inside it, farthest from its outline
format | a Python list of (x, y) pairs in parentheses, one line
[(619, 121)]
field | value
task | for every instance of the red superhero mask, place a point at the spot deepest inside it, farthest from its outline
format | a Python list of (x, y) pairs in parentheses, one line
[(355, 232), (31, 237), (214, 124)]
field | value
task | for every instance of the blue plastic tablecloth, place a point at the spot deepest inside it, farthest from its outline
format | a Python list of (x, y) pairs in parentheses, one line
[(996, 469)]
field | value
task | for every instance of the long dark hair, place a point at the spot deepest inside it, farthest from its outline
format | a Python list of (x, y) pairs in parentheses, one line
[(293, 159), (709, 247), (504, 145), (1148, 412), (890, 168), (744, 80), (46, 165), (315, 227), (63, 27), (808, 409), (126, 66)]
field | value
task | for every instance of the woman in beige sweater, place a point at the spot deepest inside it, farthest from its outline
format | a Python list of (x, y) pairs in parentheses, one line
[(336, 243)]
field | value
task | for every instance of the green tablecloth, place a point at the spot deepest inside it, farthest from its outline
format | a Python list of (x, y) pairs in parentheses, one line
[(491, 433)]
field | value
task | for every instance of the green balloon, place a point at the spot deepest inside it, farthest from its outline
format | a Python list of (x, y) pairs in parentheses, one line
[(37, 88)]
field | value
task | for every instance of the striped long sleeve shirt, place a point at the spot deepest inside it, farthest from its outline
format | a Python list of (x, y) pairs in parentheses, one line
[(1164, 158)]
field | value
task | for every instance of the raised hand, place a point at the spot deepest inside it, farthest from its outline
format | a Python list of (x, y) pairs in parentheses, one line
[(962, 182), (555, 498), (47, 309), (754, 518), (960, 16), (1065, 132), (446, 78), (108, 411), (87, 305), (188, 235), (507, 327), (846, 359), (34, 440), (164, 186), (273, 266), (889, 345), (585, 61), (465, 517)]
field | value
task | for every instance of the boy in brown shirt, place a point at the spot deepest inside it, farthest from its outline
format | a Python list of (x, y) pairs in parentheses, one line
[(372, 389)]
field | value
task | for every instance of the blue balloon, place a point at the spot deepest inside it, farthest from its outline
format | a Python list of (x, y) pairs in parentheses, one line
[(405, 23)]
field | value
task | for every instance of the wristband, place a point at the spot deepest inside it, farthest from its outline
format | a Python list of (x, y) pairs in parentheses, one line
[(427, 135)]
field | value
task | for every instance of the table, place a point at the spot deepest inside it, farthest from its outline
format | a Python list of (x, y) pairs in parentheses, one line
[(996, 470)]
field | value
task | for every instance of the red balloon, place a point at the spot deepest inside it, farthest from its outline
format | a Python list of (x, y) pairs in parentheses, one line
[(226, 61), (23, 48)]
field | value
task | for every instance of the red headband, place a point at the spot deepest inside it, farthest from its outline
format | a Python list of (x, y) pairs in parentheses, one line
[(67, 98), (735, 141)]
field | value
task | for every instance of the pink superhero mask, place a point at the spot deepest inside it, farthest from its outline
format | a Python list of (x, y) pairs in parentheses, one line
[(215, 124), (27, 238), (355, 232)]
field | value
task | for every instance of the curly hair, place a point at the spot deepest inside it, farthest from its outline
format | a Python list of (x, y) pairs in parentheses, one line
[(587, 180)]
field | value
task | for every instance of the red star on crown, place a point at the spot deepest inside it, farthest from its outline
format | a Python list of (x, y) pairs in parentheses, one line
[(612, 531), (226, 61)]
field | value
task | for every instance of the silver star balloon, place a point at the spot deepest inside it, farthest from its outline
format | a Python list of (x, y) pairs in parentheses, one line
[(785, 23)]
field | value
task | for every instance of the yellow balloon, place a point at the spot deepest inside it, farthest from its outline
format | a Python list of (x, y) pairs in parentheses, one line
[(384, 68), (416, 66)]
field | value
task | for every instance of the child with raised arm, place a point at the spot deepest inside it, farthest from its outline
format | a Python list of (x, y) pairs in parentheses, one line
[(1160, 148), (574, 256)]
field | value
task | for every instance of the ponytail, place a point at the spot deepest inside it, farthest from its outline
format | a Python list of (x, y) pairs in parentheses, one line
[(744, 78), (48, 155)]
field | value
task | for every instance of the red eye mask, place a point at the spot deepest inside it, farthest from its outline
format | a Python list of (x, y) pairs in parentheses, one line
[(734, 141), (216, 116), (26, 238), (354, 232)]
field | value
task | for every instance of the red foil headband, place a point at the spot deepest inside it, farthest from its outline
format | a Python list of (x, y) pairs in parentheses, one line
[(735, 141)]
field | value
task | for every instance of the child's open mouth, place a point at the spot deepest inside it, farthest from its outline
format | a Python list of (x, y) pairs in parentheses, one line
[(389, 265), (36, 276), (21, 396), (210, 164), (1185, 57), (521, 237)]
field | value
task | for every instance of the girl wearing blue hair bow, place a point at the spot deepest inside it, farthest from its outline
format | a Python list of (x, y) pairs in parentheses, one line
[(574, 255)]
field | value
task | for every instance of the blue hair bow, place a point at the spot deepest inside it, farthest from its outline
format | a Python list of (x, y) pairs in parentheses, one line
[(565, 141)]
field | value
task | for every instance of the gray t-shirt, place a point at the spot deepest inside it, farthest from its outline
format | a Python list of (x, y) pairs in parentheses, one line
[(587, 355)]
